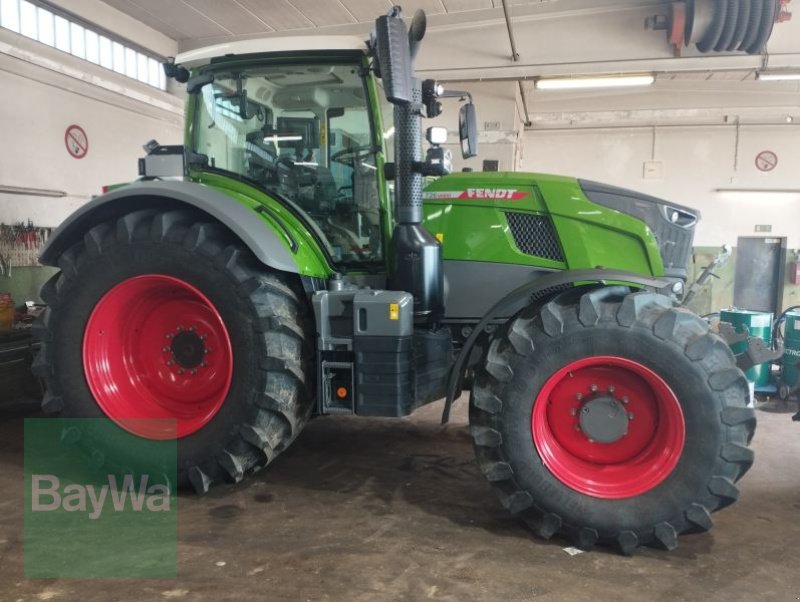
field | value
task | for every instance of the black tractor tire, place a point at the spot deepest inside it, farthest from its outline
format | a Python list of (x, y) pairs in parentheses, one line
[(642, 327), (268, 400)]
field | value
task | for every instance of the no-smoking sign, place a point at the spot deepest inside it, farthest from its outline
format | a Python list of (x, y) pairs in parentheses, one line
[(766, 161), (76, 141)]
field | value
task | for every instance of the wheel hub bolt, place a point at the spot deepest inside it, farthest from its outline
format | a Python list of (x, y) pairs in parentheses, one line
[(611, 388), (630, 416), (165, 349), (624, 399), (170, 362), (593, 388), (574, 411), (579, 396)]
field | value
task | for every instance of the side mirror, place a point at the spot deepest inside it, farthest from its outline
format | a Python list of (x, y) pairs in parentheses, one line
[(394, 58), (468, 130), (177, 72)]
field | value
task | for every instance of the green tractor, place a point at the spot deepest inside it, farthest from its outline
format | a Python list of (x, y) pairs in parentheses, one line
[(299, 256)]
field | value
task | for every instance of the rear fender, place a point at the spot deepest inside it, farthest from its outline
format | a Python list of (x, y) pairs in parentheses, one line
[(260, 229)]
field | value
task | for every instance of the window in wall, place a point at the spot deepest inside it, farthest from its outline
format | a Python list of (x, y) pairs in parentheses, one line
[(153, 69), (39, 23), (141, 67), (62, 34), (9, 14), (130, 63), (27, 19), (77, 40), (47, 34), (106, 55), (92, 47), (118, 50)]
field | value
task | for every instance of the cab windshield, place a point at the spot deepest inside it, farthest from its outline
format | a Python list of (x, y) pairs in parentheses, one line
[(303, 133)]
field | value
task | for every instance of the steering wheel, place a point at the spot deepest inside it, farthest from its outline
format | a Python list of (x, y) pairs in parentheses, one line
[(349, 156)]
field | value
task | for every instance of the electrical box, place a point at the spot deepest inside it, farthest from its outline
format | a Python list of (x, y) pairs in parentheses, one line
[(384, 325), (794, 272), (365, 351)]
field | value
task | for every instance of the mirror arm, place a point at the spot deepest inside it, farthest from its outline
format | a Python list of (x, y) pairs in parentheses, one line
[(456, 94), (195, 84)]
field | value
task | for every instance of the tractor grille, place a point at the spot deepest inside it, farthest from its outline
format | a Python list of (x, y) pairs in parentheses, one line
[(535, 235)]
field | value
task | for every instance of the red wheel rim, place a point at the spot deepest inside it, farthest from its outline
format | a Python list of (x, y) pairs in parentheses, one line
[(156, 348), (638, 460)]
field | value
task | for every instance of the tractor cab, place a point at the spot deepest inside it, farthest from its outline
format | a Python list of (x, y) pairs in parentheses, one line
[(301, 128)]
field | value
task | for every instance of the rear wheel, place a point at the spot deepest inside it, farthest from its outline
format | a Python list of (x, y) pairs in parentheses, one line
[(159, 315), (612, 418)]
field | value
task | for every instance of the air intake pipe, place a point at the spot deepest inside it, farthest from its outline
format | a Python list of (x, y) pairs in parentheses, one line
[(416, 256)]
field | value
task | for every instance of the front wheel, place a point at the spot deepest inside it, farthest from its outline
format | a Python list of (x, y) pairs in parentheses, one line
[(612, 418)]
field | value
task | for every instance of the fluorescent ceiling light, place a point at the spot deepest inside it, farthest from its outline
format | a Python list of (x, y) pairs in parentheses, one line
[(778, 76), (578, 83), (276, 139), (760, 194)]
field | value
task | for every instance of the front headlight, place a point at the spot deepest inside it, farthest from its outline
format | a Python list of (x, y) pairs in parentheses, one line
[(679, 217)]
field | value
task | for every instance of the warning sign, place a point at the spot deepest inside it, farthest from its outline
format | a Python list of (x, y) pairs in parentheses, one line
[(76, 141), (766, 161)]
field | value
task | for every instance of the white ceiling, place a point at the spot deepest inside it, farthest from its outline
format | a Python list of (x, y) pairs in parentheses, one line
[(467, 41), (207, 19)]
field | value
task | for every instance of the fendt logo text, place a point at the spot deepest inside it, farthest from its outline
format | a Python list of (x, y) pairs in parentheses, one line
[(500, 194)]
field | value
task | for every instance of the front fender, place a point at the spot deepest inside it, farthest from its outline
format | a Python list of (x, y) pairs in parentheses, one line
[(260, 229), (554, 280)]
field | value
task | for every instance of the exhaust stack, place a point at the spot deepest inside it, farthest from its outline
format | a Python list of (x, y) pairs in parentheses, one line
[(416, 256)]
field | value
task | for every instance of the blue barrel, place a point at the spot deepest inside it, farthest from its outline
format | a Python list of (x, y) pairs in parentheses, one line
[(759, 324), (791, 343)]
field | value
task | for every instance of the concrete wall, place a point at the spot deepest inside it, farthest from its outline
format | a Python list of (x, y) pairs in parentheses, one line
[(696, 162), (44, 92), (43, 98), (498, 123)]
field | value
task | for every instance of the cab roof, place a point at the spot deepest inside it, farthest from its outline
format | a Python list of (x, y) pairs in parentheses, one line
[(203, 56)]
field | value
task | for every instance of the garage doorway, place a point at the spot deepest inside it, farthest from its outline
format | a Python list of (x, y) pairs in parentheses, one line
[(758, 284)]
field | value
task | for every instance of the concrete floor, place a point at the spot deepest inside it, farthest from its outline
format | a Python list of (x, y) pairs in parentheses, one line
[(372, 510)]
